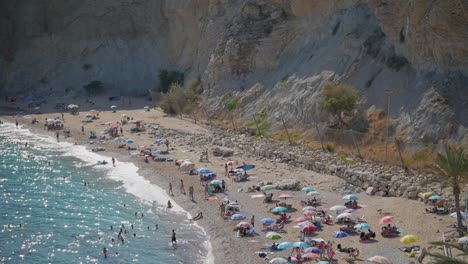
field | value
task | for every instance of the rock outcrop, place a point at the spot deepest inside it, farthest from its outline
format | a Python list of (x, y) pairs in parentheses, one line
[(276, 54)]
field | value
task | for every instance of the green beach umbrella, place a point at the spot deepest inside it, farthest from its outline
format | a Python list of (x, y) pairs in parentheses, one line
[(273, 236), (267, 188)]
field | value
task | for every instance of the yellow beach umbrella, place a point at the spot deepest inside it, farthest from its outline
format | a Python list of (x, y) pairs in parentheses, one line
[(409, 239), (123, 115), (93, 112)]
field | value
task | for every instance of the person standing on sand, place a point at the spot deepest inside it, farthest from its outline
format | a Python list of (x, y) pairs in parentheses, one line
[(121, 131), (170, 189), (63, 118), (167, 144), (182, 189), (252, 220), (190, 190), (82, 130), (226, 169), (222, 209)]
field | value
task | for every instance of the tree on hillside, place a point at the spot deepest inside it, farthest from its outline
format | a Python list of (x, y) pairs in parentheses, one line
[(231, 106), (339, 99), (454, 166)]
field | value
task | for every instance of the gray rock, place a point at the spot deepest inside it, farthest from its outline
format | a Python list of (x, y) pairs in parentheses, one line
[(288, 184), (370, 190)]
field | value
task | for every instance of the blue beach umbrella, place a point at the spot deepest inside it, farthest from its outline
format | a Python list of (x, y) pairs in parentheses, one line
[(340, 234), (211, 175), (362, 226), (279, 209), (285, 245), (237, 217), (160, 142), (323, 262), (351, 197), (313, 193), (158, 151), (301, 244), (435, 198), (308, 189), (129, 141), (314, 250), (204, 170), (268, 221)]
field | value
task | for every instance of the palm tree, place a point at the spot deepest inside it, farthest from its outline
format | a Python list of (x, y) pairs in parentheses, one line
[(442, 259), (454, 166)]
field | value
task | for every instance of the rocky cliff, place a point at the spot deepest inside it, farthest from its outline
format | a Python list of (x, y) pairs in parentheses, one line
[(277, 54)]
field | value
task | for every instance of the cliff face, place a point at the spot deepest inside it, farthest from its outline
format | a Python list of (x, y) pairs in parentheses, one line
[(276, 53)]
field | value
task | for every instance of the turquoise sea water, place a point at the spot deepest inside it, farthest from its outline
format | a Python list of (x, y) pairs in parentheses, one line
[(48, 215)]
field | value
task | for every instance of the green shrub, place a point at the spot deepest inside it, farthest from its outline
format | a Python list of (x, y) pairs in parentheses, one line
[(232, 104), (343, 157), (195, 85), (330, 147), (167, 78), (284, 79), (225, 97), (338, 99), (95, 87), (263, 125)]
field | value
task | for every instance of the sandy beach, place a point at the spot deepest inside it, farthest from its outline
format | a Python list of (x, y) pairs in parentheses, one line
[(409, 215)]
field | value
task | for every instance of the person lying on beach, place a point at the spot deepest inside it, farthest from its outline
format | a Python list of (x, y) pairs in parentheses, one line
[(198, 216), (431, 210)]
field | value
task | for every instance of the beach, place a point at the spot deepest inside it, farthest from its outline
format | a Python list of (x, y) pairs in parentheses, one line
[(409, 215)]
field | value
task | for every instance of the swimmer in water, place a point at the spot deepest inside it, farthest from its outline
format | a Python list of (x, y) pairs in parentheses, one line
[(173, 238), (169, 205), (104, 251)]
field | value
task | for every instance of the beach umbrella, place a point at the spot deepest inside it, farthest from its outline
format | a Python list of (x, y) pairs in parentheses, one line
[(267, 188), (278, 261), (323, 262), (309, 208), (313, 193), (283, 195), (350, 197), (142, 147), (463, 240), (158, 151), (435, 198), (268, 221), (187, 163), (211, 175), (311, 256), (386, 219), (204, 170), (244, 225), (237, 217), (308, 189), (318, 240), (146, 107), (464, 215), (315, 250), (409, 239), (301, 244), (310, 213), (362, 226), (338, 208), (340, 234), (379, 260), (88, 115), (113, 106), (301, 219), (305, 223), (123, 115), (309, 228), (273, 236), (344, 215), (285, 245), (93, 112), (215, 182), (260, 195), (279, 209), (129, 141), (72, 106), (160, 142)]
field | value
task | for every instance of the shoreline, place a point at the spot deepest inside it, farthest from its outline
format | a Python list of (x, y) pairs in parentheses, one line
[(226, 247)]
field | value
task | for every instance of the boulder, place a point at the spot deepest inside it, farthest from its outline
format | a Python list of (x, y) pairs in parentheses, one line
[(370, 190), (288, 184), (218, 152)]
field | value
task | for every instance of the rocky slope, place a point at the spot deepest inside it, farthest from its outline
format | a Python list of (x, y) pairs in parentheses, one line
[(276, 54)]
